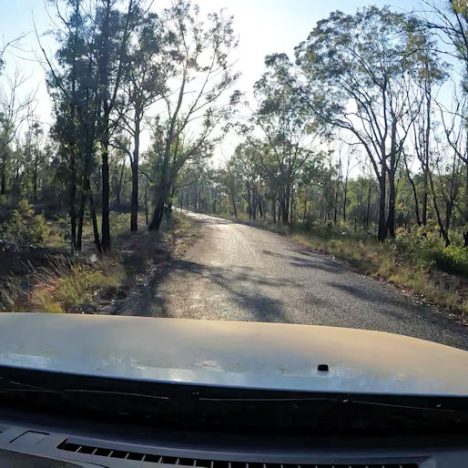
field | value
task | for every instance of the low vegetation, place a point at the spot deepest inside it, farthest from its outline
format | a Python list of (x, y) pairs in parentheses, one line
[(48, 279)]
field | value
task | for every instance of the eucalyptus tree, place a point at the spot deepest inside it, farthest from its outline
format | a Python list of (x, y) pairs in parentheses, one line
[(428, 76), (14, 110), (450, 19), (356, 70), (284, 118), (72, 85), (114, 27), (197, 99), (144, 82)]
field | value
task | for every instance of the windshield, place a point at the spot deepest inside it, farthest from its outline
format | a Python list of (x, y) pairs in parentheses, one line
[(279, 188)]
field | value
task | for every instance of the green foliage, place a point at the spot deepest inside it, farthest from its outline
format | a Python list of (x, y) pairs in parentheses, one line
[(78, 288), (453, 259), (421, 245), (25, 227), (69, 287), (424, 248)]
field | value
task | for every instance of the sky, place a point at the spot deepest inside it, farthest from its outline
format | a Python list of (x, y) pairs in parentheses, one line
[(263, 27)]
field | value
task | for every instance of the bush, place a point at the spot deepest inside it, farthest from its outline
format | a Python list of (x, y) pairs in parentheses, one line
[(78, 287), (420, 245), (69, 287), (25, 227), (453, 259)]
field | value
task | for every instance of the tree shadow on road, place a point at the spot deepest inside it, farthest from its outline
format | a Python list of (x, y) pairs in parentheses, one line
[(316, 262), (242, 286), (405, 311)]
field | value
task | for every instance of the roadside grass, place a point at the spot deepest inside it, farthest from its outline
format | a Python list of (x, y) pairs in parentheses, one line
[(63, 289), (89, 283)]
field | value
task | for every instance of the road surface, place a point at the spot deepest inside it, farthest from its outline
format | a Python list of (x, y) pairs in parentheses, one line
[(239, 272)]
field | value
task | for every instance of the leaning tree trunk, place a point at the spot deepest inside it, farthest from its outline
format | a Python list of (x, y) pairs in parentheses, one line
[(159, 205), (158, 214)]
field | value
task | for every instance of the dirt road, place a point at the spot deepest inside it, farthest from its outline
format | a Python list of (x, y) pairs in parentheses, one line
[(239, 272)]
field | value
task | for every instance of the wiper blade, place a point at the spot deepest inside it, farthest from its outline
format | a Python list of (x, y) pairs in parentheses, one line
[(84, 391), (348, 400), (8, 386)]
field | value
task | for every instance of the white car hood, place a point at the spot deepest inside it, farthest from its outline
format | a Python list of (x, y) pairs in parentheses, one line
[(234, 354)]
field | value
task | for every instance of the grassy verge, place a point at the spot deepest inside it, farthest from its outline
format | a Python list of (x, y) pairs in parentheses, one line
[(89, 283)]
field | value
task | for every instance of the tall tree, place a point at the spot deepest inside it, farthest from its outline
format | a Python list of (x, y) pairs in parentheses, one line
[(357, 69), (285, 120), (143, 85), (114, 28), (195, 98)]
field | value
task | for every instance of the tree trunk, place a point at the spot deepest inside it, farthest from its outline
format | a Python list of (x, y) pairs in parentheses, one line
[(415, 194), (105, 224), (134, 201), (146, 205), (92, 210), (465, 233), (72, 198), (335, 207), (443, 232), (81, 217), (383, 227), (233, 201), (425, 199), (118, 195), (158, 214), (391, 203), (369, 198), (162, 196), (3, 188), (35, 169), (345, 195), (134, 165), (426, 155)]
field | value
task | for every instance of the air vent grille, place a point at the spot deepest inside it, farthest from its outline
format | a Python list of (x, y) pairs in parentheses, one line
[(153, 458)]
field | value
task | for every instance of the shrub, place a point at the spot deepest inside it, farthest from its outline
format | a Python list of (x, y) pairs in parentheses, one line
[(67, 287), (453, 259), (25, 227), (420, 245), (78, 288)]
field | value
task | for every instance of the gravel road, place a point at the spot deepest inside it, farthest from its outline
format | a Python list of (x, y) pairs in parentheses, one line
[(238, 272)]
